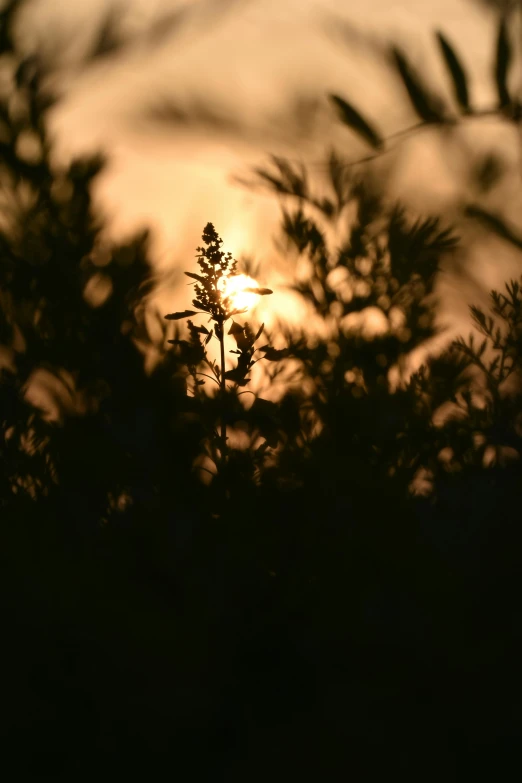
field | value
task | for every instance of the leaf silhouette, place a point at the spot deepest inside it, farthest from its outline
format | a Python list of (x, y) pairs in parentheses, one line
[(273, 354), (240, 335), (258, 291), (264, 407), (199, 278), (235, 328), (502, 64), (458, 74), (495, 224), (237, 376), (356, 121), (182, 314), (428, 106)]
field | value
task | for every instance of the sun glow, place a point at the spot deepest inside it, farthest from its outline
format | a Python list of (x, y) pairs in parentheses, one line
[(235, 286)]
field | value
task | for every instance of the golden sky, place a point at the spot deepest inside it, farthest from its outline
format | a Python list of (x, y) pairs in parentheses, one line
[(256, 66)]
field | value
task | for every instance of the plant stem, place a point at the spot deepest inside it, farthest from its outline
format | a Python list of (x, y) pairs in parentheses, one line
[(223, 391)]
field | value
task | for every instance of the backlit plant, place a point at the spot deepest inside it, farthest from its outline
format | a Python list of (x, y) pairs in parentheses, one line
[(218, 295)]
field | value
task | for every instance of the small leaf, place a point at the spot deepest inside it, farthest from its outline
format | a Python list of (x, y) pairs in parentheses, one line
[(183, 314), (495, 224), (199, 278), (235, 328), (460, 82), (179, 342), (502, 64), (356, 121), (259, 333), (263, 407), (237, 376), (258, 291), (273, 354), (428, 106), (240, 335)]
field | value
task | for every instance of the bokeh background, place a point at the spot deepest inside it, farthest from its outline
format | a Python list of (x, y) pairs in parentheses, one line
[(185, 98)]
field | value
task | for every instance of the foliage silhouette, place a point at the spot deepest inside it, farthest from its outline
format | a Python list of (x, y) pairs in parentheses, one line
[(385, 268), (441, 450), (73, 320), (432, 109)]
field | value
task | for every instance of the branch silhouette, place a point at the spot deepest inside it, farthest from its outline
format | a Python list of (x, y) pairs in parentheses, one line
[(432, 109)]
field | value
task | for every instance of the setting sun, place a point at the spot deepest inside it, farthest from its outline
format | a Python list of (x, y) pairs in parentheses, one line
[(237, 288)]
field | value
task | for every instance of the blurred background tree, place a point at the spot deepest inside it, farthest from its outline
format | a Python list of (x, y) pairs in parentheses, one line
[(83, 413)]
